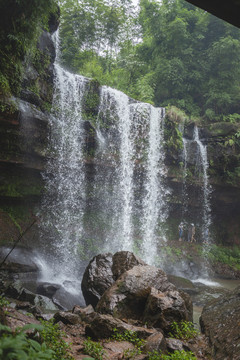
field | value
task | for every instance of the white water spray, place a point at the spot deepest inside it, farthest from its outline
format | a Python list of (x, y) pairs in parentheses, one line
[(195, 153), (64, 200), (135, 190), (206, 187)]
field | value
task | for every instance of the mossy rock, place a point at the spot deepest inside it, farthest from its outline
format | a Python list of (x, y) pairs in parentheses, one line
[(91, 101), (180, 282)]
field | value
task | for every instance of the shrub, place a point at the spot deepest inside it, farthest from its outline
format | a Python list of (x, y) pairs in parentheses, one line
[(130, 336), (177, 355), (183, 330), (16, 345), (53, 337), (93, 348)]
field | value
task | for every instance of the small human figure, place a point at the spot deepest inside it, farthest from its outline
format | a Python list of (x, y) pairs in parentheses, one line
[(191, 233), (180, 231)]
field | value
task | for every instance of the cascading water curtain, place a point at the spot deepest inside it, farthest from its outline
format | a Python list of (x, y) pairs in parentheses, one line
[(118, 202), (132, 187), (64, 200), (206, 188), (195, 153)]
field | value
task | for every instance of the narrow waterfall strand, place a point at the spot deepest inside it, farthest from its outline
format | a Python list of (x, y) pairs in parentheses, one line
[(206, 187), (153, 203)]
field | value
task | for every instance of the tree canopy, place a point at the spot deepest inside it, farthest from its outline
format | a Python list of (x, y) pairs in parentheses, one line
[(168, 53)]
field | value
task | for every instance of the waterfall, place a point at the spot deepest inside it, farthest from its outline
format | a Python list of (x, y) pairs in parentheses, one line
[(154, 200), (206, 187), (64, 199), (195, 154), (132, 184), (117, 201)]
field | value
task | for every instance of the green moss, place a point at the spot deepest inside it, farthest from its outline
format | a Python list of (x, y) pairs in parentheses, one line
[(5, 90), (20, 187), (173, 136), (225, 255), (91, 102), (17, 213), (19, 30)]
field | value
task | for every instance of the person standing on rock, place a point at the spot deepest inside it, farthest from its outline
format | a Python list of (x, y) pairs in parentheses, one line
[(180, 231), (191, 233)]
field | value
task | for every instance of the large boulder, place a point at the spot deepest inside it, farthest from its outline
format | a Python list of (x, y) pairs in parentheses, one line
[(102, 272), (61, 295), (97, 278), (163, 308), (144, 293), (103, 326), (220, 321)]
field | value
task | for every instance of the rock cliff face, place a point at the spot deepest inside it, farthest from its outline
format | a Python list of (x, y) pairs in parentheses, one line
[(23, 142), (223, 152)]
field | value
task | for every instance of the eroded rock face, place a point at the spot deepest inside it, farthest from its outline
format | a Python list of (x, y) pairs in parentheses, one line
[(163, 308), (123, 261), (220, 321), (144, 293), (102, 272), (97, 278)]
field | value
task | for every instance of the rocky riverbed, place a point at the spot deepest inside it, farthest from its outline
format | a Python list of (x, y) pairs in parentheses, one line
[(122, 292)]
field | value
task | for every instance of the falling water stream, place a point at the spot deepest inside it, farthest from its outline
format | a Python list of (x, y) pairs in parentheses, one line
[(133, 190), (127, 194), (195, 154), (203, 163)]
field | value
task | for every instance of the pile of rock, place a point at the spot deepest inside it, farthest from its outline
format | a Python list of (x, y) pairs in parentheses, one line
[(123, 293)]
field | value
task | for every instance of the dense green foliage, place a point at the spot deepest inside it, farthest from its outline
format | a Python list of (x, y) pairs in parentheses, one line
[(169, 53), (17, 345), (45, 342), (20, 24), (176, 355), (184, 330), (225, 255), (130, 336), (93, 348), (52, 336)]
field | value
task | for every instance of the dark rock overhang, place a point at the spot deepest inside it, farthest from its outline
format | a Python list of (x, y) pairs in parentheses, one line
[(225, 10)]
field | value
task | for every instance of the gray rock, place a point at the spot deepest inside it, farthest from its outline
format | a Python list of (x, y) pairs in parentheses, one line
[(155, 342), (66, 300), (123, 261), (83, 312), (44, 303), (97, 278), (67, 318), (102, 326), (162, 308), (102, 272), (140, 292), (220, 321), (47, 289), (174, 344)]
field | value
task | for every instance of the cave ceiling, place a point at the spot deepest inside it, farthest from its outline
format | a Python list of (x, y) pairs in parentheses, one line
[(228, 10)]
